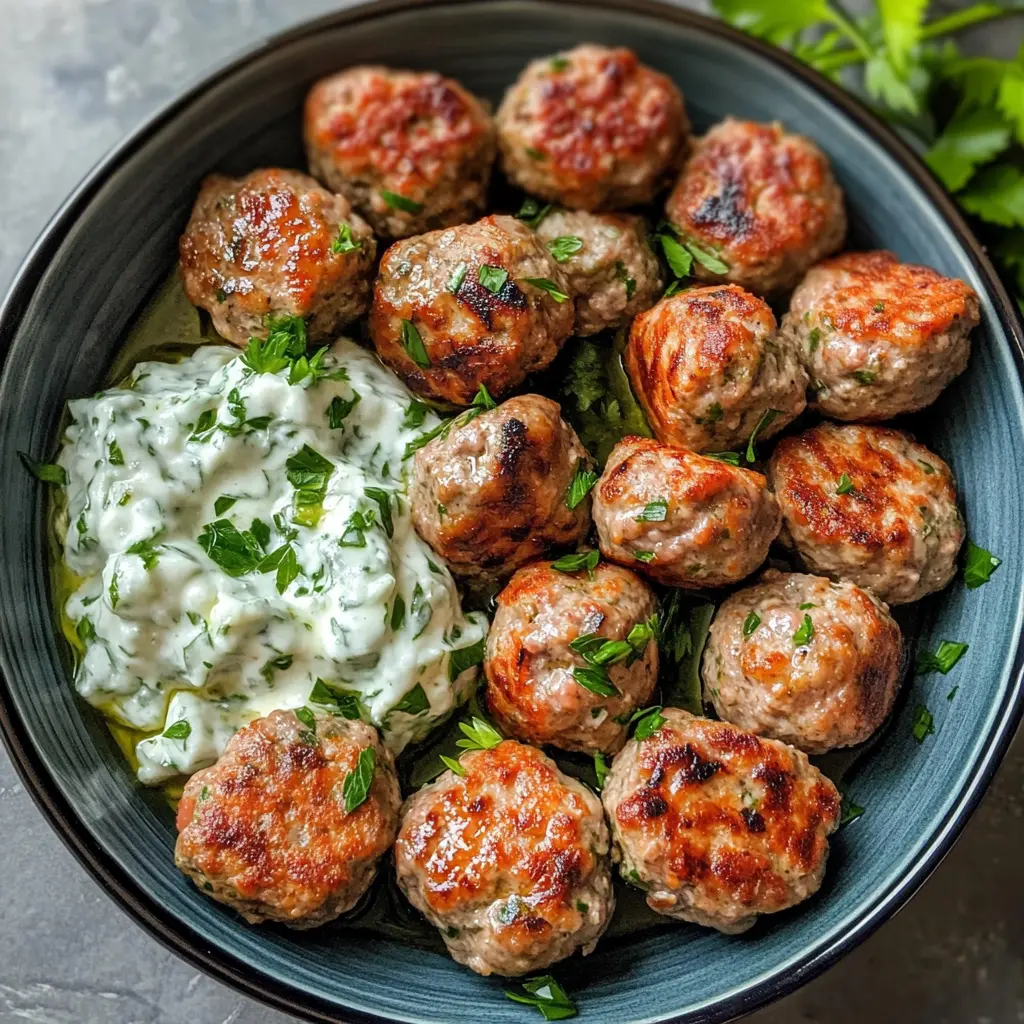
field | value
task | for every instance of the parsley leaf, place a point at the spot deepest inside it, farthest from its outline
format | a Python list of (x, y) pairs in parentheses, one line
[(750, 624), (767, 417), (946, 655), (356, 787), (413, 345), (339, 409), (344, 242), (564, 247), (346, 703), (979, 566), (479, 735), (547, 996), (574, 563), (236, 552), (492, 278), (383, 500), (532, 213), (601, 769), (47, 472), (805, 632), (285, 342), (654, 511), (923, 724), (648, 722), (465, 658), (845, 484), (549, 286), (415, 702), (180, 730), (399, 202), (596, 680), (580, 485)]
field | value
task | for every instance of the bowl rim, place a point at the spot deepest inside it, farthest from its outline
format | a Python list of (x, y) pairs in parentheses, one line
[(177, 935)]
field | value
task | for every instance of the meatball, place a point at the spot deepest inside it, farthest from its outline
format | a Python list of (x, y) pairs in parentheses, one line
[(491, 496), (612, 270), (570, 656), (509, 860), (878, 337), (276, 829), (592, 128), (411, 150), (275, 243), (683, 519), (830, 684), (481, 303), (869, 505), (761, 200), (716, 824), (708, 366)]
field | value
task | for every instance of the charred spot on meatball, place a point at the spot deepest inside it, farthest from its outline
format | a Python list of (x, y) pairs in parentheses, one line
[(592, 128), (717, 825), (832, 689), (682, 519), (275, 243), (708, 366), (761, 200), (476, 304), (412, 151), (571, 655), (509, 860), (274, 829), (879, 337), (869, 505)]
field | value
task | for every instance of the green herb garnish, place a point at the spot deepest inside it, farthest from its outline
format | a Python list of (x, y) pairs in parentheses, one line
[(549, 286), (654, 511), (767, 417), (532, 213), (547, 996), (492, 278), (564, 246), (580, 486), (344, 242), (413, 345), (924, 723), (399, 202), (47, 472), (478, 734), (948, 653), (180, 730), (845, 484), (750, 624), (415, 702), (574, 563), (340, 408), (805, 633), (979, 566), (465, 658), (357, 783)]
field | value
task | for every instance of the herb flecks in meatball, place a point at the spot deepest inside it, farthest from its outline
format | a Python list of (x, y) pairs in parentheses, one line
[(592, 128), (290, 824), (480, 303), (683, 519), (492, 494), (571, 655), (763, 200), (275, 243), (412, 151), (717, 825), (707, 365), (509, 860), (879, 337), (819, 686), (869, 505)]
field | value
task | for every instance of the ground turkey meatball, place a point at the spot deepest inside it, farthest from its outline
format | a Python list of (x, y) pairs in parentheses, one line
[(708, 366), (491, 496), (481, 303), (869, 505), (878, 337), (683, 519), (760, 199), (818, 687), (509, 861), (411, 150), (592, 128), (570, 657), (267, 831), (612, 271), (718, 825), (275, 243)]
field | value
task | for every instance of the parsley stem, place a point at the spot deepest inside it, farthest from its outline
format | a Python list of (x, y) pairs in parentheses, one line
[(844, 23), (959, 20)]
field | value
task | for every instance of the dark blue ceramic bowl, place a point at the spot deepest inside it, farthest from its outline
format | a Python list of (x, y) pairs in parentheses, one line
[(115, 239)]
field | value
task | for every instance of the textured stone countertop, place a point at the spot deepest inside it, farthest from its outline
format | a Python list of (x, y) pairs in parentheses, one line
[(76, 75)]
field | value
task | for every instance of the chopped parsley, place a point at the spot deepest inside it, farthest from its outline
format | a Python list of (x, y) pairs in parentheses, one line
[(805, 633), (845, 484), (750, 624), (47, 472), (644, 556), (733, 458), (180, 730), (399, 202), (492, 278), (849, 811), (465, 658), (236, 552), (346, 703), (383, 500), (574, 563), (946, 655), (413, 345), (478, 734), (648, 722), (600, 769), (455, 766), (546, 995), (979, 566), (415, 702), (583, 480), (458, 276), (532, 213), (309, 473), (415, 414), (344, 242), (654, 511), (549, 286), (285, 343), (339, 409), (223, 503), (864, 376), (679, 260), (621, 274), (564, 246), (923, 725), (145, 550), (596, 680), (357, 783), (763, 423), (114, 454)]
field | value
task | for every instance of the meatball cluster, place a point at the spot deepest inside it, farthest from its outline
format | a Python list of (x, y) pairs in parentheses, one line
[(571, 655), (480, 303), (870, 505), (879, 337), (762, 200), (412, 151), (804, 660), (491, 495), (708, 366), (273, 830), (509, 859), (607, 259), (275, 243), (683, 519), (593, 129), (717, 825)]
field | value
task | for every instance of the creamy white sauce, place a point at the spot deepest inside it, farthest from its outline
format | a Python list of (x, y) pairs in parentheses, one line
[(171, 636)]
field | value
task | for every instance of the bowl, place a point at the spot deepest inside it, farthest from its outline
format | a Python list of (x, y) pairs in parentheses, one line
[(114, 241)]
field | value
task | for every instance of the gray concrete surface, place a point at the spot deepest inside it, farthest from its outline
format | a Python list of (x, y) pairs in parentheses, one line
[(75, 75)]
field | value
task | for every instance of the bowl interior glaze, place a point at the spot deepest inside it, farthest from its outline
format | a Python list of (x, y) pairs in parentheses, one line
[(114, 243)]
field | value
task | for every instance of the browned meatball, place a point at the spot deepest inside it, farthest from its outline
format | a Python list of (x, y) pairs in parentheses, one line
[(481, 303), (278, 827), (275, 243), (592, 128), (411, 150), (760, 199), (560, 665), (819, 686), (878, 337), (869, 505), (681, 518), (707, 366), (611, 268), (718, 825), (491, 496), (509, 859)]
